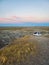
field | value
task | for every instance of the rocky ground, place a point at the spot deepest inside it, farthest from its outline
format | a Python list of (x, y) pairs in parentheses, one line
[(7, 36)]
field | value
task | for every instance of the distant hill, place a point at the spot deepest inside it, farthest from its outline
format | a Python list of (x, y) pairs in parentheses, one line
[(24, 24)]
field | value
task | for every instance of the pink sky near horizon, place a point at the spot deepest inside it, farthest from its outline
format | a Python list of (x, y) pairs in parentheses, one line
[(18, 19)]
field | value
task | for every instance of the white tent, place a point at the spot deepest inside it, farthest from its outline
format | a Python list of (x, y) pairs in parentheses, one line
[(37, 33)]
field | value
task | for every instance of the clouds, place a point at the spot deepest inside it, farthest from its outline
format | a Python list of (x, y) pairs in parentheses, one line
[(18, 19)]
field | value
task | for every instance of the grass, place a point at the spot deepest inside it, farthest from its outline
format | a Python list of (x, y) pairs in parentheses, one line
[(25, 28), (19, 51), (23, 49), (47, 36)]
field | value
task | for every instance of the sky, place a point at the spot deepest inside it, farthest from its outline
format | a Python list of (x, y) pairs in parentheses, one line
[(19, 11)]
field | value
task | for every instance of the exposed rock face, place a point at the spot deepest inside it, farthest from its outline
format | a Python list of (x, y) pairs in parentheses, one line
[(7, 36), (1, 44)]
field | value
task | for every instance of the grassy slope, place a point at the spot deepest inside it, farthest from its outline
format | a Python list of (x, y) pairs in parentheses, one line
[(19, 52)]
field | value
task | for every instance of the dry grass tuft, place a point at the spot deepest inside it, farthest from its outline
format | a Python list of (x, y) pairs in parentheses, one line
[(19, 51)]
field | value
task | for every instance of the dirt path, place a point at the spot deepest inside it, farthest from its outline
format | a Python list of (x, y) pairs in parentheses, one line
[(43, 56), (43, 41)]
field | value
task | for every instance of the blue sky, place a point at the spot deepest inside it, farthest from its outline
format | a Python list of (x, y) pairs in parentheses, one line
[(24, 10)]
